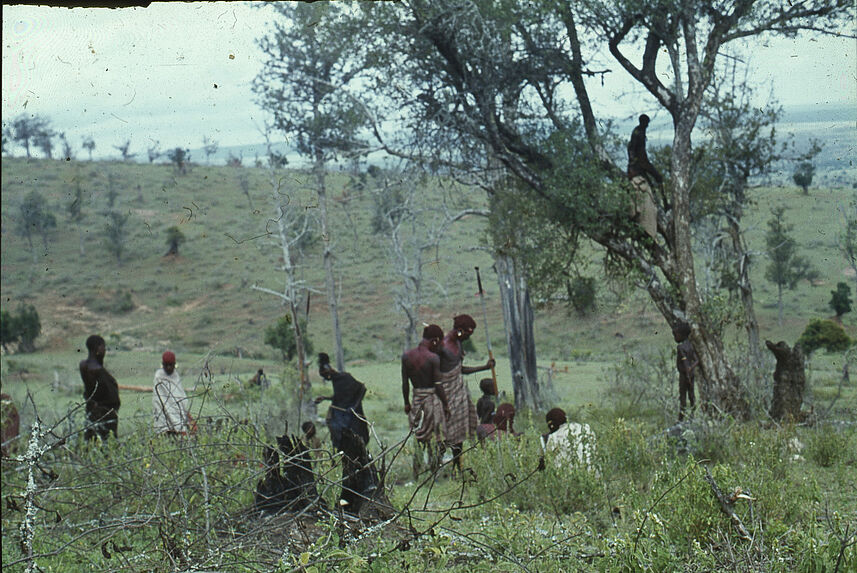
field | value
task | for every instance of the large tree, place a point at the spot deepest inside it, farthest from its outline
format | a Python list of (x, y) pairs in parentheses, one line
[(309, 62), (494, 75)]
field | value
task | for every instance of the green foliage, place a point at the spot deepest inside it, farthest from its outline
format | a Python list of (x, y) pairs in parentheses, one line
[(27, 130), (175, 237), (827, 447), (309, 104), (8, 335), (35, 218), (388, 208), (501, 465), (281, 336), (840, 299), (115, 234), (582, 294), (804, 172), (22, 327), (827, 334), (786, 267), (179, 158)]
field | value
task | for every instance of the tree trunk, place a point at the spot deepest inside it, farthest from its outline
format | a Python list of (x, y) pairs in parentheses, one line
[(720, 390), (520, 341), (745, 290), (327, 257), (779, 305), (789, 381)]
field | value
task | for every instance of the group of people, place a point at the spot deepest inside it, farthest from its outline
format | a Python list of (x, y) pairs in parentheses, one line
[(170, 406), (437, 402)]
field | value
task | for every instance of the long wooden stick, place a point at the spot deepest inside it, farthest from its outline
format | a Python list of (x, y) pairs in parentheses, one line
[(485, 322)]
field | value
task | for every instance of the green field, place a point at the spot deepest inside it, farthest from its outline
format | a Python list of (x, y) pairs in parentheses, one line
[(648, 506)]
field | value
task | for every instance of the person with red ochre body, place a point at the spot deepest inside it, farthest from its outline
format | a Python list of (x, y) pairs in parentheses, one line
[(428, 410), (462, 420)]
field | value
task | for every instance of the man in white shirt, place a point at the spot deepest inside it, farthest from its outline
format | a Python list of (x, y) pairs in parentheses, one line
[(568, 443), (169, 400)]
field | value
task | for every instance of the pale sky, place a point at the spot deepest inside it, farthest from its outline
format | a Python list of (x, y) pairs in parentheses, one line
[(178, 71)]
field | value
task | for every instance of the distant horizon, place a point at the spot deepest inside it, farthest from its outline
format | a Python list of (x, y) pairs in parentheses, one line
[(831, 115)]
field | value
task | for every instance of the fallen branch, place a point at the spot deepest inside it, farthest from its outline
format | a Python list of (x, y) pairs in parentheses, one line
[(135, 388), (727, 505)]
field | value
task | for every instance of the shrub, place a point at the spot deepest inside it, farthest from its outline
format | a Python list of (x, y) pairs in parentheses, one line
[(281, 336), (826, 447), (821, 333), (22, 327), (581, 294), (840, 300)]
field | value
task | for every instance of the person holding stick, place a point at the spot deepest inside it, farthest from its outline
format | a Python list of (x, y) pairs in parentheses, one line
[(462, 421)]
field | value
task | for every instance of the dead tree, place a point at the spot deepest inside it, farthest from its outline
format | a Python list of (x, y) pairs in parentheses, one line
[(288, 230), (789, 381)]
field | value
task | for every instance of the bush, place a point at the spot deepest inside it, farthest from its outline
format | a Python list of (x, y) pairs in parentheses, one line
[(581, 294), (22, 328), (281, 336), (826, 447), (821, 333), (840, 300)]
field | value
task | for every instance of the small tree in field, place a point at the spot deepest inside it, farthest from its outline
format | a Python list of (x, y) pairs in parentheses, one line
[(154, 151), (29, 130), (116, 234), (803, 175), (174, 238), (35, 218), (281, 336), (88, 144), (124, 149), (840, 300), (209, 146), (67, 151), (180, 158), (786, 268), (22, 327)]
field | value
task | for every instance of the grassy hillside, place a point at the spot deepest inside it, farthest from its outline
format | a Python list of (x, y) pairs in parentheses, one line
[(202, 300), (153, 504)]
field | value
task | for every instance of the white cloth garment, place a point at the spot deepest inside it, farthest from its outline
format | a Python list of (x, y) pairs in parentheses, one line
[(572, 444), (169, 402)]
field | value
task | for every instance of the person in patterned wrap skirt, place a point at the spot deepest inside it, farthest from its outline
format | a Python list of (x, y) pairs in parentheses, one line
[(462, 421), (428, 410)]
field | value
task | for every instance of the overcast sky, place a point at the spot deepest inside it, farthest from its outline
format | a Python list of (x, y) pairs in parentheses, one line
[(175, 72)]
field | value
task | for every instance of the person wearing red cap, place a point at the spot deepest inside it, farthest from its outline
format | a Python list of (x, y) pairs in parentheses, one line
[(169, 400)]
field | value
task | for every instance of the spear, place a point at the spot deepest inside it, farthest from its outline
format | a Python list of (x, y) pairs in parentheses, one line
[(485, 322)]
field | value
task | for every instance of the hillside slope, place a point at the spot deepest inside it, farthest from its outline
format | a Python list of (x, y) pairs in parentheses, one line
[(201, 300)]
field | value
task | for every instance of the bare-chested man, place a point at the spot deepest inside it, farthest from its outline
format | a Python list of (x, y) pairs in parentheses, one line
[(421, 367), (462, 420), (100, 391)]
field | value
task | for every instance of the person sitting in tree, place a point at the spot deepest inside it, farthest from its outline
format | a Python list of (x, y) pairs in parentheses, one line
[(642, 174)]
